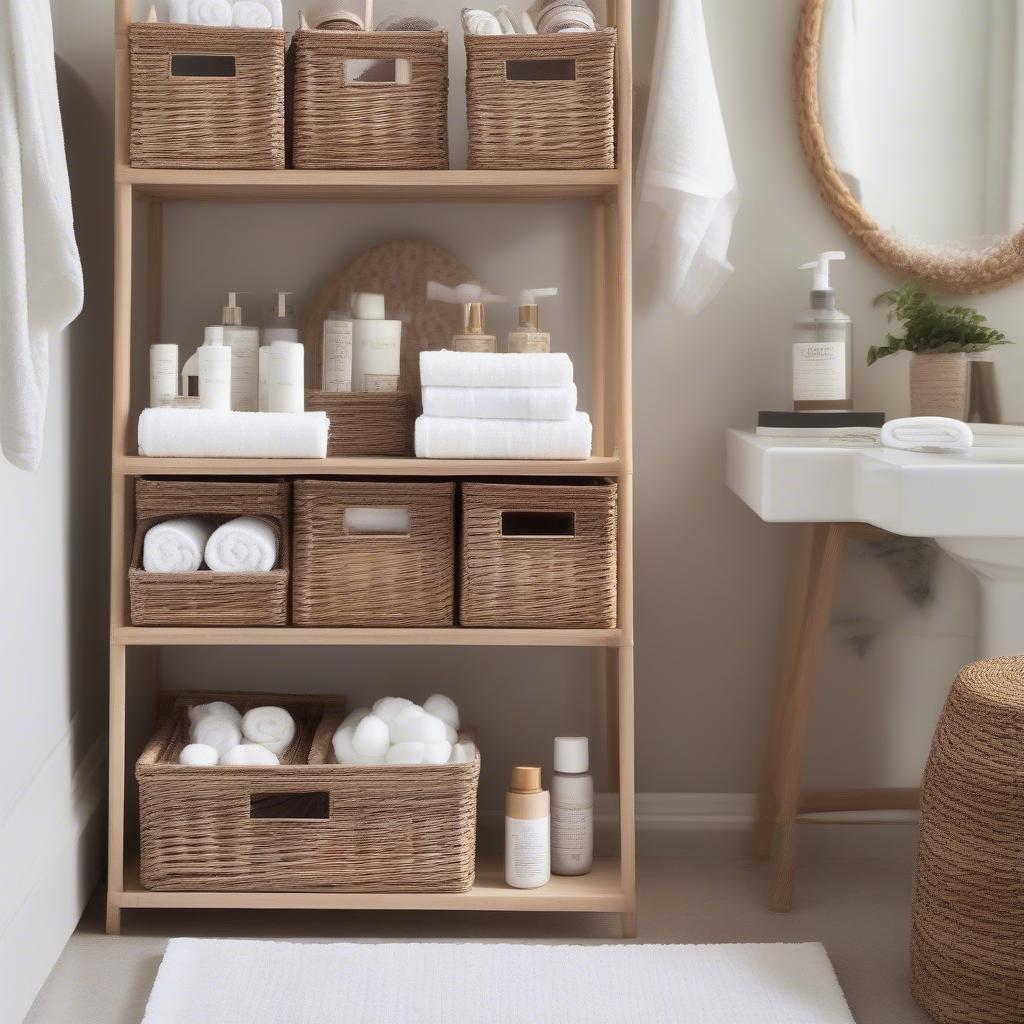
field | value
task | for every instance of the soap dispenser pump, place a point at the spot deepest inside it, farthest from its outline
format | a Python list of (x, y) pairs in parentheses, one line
[(822, 346), (473, 297), (528, 337)]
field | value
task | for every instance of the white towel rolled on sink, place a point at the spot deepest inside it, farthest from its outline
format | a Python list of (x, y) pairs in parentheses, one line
[(501, 403), (446, 369), (176, 545), (245, 544), (438, 438)]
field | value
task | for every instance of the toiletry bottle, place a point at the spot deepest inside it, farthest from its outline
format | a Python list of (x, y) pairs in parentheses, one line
[(244, 343), (376, 345), (823, 347), (572, 807), (474, 338), (527, 830), (528, 337), (163, 374), (337, 351), (215, 359), (287, 377), (280, 326)]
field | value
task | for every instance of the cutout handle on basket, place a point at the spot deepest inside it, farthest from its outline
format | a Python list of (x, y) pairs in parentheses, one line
[(203, 65), (562, 70), (301, 806), (367, 521), (538, 524), (377, 71)]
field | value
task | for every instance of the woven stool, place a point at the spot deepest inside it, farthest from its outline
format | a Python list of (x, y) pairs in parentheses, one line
[(967, 947)]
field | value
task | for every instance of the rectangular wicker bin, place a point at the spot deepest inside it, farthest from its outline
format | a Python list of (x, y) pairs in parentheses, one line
[(384, 125), (538, 555), (541, 101), (365, 423), (204, 97), (305, 825), (206, 598), (343, 579)]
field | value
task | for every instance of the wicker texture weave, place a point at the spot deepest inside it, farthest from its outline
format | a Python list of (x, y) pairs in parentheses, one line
[(198, 122), (206, 598), (555, 125), (365, 423), (374, 125), (967, 952), (939, 384), (538, 581), (389, 829), (373, 580)]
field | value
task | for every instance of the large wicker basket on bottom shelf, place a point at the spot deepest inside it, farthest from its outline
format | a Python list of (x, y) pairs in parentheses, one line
[(206, 598), (306, 825)]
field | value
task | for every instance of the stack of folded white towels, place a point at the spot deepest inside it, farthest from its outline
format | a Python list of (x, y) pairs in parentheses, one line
[(221, 734), (244, 544), (508, 405), (397, 731)]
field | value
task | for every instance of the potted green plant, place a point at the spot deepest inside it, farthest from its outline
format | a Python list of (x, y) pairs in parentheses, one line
[(940, 338)]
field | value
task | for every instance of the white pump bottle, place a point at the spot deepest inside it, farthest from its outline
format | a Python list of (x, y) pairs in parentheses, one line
[(822, 346)]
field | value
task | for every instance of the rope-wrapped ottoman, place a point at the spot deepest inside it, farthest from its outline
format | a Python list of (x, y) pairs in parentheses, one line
[(967, 947)]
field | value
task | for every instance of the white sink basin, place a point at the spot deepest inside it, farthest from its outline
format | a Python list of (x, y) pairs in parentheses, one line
[(971, 503)]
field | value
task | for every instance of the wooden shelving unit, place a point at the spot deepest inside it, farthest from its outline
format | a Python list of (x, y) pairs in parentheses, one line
[(611, 887)]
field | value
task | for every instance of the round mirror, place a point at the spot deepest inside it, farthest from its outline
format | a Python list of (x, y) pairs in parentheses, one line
[(911, 113)]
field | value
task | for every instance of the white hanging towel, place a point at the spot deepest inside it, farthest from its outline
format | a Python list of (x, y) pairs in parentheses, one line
[(40, 273), (688, 193)]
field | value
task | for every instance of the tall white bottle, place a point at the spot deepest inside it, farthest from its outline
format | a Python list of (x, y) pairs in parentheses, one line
[(572, 807), (214, 371), (280, 326), (823, 346), (244, 343), (527, 830), (376, 345)]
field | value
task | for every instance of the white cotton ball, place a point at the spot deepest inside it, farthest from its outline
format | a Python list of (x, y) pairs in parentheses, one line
[(249, 754), (437, 753), (414, 725), (406, 753), (215, 709), (466, 750), (218, 733), (198, 755), (450, 734), (353, 718), (371, 737), (389, 708), (444, 708), (344, 752)]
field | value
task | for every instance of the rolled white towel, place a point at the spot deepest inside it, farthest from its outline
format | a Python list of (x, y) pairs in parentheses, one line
[(501, 403), (447, 369), (480, 23), (406, 753), (176, 545), (371, 737), (249, 754), (438, 438), (344, 752), (215, 709), (414, 725), (444, 708), (199, 12), (251, 14), (198, 755), (272, 727), (219, 733), (927, 434), (275, 9), (245, 544)]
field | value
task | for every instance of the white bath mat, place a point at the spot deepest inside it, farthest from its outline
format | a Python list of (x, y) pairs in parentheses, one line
[(219, 981)]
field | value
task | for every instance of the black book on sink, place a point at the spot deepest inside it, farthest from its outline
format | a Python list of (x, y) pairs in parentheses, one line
[(819, 424)]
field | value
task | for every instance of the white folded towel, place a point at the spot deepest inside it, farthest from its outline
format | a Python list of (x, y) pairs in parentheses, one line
[(927, 434), (219, 733), (209, 433), (438, 438), (446, 369), (501, 403), (176, 545), (272, 727), (245, 544), (248, 754), (199, 12), (215, 709)]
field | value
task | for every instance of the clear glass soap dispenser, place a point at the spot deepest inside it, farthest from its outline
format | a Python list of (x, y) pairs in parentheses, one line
[(822, 346)]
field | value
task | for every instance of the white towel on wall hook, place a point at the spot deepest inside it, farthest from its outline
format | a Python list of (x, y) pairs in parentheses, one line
[(687, 190), (40, 272)]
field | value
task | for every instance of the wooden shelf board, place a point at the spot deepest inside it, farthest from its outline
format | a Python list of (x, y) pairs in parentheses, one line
[(599, 891), (299, 636), (137, 465), (367, 186)]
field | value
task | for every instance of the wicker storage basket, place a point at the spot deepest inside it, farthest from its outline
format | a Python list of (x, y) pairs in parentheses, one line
[(206, 97), (399, 124), (343, 579), (543, 101), (206, 598), (535, 555), (365, 423), (306, 825)]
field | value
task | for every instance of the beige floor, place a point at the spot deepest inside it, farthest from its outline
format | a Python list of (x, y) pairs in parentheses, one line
[(858, 908)]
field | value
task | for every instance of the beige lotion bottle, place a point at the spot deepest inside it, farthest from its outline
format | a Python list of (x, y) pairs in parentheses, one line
[(244, 343), (472, 297), (337, 351), (376, 345), (527, 830), (214, 359), (528, 337), (823, 347)]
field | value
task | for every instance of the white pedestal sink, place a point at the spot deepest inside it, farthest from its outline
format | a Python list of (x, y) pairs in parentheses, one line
[(971, 503)]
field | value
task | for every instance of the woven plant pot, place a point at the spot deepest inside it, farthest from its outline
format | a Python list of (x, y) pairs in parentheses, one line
[(938, 384), (967, 945)]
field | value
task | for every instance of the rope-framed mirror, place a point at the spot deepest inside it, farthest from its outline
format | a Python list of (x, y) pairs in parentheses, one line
[(900, 160)]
